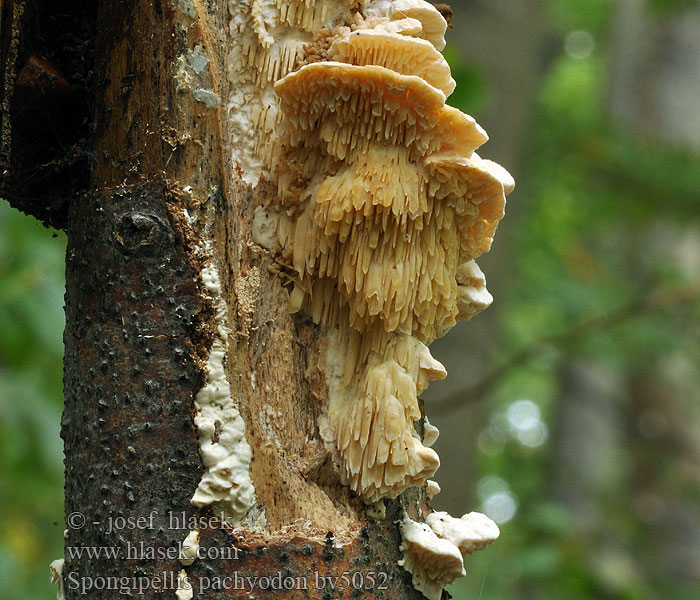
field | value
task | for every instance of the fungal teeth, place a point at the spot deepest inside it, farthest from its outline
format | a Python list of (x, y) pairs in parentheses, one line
[(383, 205)]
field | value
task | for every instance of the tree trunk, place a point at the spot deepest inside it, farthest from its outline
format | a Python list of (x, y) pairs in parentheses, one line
[(176, 321)]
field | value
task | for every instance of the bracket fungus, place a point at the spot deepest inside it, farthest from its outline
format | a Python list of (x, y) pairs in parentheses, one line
[(432, 561), (406, 55), (433, 552), (433, 23), (382, 207), (474, 531)]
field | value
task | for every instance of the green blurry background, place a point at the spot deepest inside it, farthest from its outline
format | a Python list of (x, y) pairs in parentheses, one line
[(570, 412), (31, 451)]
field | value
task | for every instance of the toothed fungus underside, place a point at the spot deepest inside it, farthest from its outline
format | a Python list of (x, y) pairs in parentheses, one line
[(383, 205)]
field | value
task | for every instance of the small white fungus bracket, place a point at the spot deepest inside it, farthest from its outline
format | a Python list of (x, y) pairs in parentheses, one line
[(56, 568), (432, 561), (190, 548), (432, 489), (184, 589), (474, 531), (433, 552)]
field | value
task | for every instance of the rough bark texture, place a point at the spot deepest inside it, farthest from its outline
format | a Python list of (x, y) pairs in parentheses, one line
[(135, 326), (139, 323)]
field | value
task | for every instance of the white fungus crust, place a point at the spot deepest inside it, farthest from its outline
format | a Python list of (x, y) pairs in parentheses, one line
[(226, 455)]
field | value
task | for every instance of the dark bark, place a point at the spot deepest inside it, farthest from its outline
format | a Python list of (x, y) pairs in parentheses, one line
[(46, 72), (135, 321)]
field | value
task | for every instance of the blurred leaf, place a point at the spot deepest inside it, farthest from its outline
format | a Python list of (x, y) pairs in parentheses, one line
[(666, 8)]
